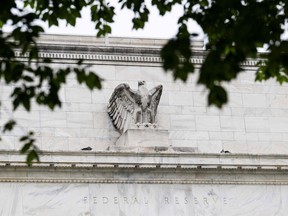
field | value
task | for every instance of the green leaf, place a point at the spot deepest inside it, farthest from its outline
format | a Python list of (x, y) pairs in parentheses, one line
[(28, 78), (217, 96), (80, 61), (26, 147), (47, 60), (107, 29), (80, 75), (26, 103), (24, 138), (32, 155), (9, 126), (93, 81)]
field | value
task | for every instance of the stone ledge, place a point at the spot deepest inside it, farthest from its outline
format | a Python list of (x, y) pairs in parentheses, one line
[(121, 56), (114, 49), (107, 41), (117, 175), (150, 160), (147, 137), (143, 181)]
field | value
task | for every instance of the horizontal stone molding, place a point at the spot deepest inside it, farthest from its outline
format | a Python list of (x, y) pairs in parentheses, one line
[(139, 160), (145, 168), (90, 58), (160, 181), (116, 50), (94, 58)]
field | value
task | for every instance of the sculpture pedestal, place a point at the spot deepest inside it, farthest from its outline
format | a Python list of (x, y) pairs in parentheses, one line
[(144, 138), (147, 138)]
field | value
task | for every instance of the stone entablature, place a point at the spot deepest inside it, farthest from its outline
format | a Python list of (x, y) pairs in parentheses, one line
[(146, 168), (111, 50), (160, 158)]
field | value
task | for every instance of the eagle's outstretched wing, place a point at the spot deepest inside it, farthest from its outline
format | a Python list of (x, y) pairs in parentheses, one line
[(121, 106), (155, 93)]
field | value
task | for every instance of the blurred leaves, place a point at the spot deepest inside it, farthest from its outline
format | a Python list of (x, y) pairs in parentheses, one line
[(234, 29), (29, 148), (177, 54), (35, 79), (9, 126)]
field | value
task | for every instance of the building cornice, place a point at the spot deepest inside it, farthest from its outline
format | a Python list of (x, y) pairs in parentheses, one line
[(149, 160), (114, 50), (145, 168), (145, 181), (122, 57)]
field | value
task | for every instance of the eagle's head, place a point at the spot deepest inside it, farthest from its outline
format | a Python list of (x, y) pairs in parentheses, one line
[(141, 83)]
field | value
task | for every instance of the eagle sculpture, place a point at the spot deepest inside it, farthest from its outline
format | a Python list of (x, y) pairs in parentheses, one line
[(127, 106)]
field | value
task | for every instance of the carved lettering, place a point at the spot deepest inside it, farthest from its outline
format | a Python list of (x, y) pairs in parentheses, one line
[(166, 200), (176, 200), (94, 200), (215, 199), (115, 200), (125, 200), (135, 200), (186, 200), (214, 196), (105, 200), (205, 201)]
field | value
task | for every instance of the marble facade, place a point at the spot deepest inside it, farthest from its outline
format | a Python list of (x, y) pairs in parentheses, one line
[(142, 200), (177, 171), (254, 121)]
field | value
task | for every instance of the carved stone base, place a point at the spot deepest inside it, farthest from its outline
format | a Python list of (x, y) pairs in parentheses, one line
[(147, 137)]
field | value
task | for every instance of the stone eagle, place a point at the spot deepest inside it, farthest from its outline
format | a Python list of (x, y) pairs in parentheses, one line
[(128, 106)]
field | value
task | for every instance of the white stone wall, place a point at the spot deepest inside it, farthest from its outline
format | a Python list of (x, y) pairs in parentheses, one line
[(140, 199), (255, 120)]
